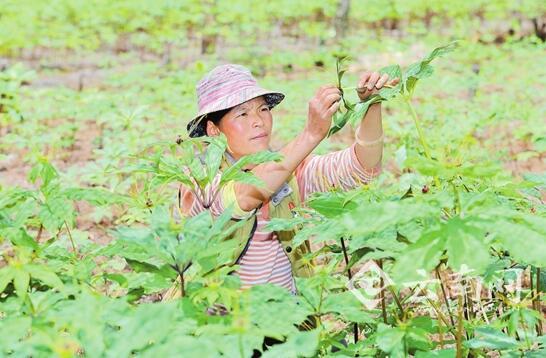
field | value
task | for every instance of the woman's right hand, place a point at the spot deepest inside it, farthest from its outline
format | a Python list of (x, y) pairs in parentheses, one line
[(321, 110)]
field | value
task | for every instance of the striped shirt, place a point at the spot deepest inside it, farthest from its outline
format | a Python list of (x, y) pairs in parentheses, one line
[(265, 260)]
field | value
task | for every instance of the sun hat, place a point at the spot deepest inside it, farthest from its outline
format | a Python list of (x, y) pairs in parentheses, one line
[(224, 87)]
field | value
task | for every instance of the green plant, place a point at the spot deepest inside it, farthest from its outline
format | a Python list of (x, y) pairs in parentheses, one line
[(91, 241)]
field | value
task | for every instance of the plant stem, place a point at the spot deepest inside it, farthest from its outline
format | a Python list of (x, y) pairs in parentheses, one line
[(445, 298), (459, 336), (471, 312), (418, 127), (538, 308), (40, 233), (533, 302), (525, 336), (320, 304), (182, 290), (382, 294), (70, 237), (440, 335), (467, 310), (538, 281), (424, 144), (398, 303), (349, 274), (241, 349), (440, 315), (458, 206)]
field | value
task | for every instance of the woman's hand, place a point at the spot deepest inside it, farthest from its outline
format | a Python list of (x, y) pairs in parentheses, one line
[(321, 109), (371, 82)]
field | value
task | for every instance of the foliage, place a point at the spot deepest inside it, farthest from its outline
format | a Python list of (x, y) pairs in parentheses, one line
[(355, 112), (91, 240)]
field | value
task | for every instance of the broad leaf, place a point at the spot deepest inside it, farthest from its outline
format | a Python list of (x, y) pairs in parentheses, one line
[(491, 338)]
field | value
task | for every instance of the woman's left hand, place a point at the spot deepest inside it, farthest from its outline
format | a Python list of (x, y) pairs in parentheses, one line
[(371, 82)]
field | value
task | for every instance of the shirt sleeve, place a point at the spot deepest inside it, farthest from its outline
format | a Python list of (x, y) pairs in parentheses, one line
[(340, 169)]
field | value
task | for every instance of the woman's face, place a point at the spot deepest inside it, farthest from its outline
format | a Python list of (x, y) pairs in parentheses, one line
[(247, 127)]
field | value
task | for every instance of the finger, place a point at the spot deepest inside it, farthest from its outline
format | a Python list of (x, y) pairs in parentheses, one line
[(321, 90), (363, 79), (394, 81), (382, 80), (362, 90), (329, 91), (374, 77), (330, 99), (333, 108)]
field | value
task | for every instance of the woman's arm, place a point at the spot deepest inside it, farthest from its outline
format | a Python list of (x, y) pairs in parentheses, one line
[(321, 109), (369, 150), (369, 134)]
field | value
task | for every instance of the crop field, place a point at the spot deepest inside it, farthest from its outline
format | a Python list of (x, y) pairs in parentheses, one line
[(439, 256)]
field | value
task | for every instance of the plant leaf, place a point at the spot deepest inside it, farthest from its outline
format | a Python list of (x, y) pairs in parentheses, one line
[(422, 69), (21, 280), (490, 338)]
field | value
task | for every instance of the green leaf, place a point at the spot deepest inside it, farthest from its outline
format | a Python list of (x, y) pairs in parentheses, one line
[(275, 311), (20, 237), (21, 280), (425, 323), (247, 178), (422, 68), (441, 51), (331, 204), (6, 276), (299, 344), (490, 338), (532, 252), (44, 274), (465, 246), (393, 71), (384, 215), (214, 155), (13, 196), (278, 224), (43, 170), (431, 167), (148, 323), (95, 196), (419, 258), (24, 211), (417, 338), (236, 173), (348, 306), (338, 122), (198, 172), (443, 353), (340, 71), (361, 108), (390, 340), (15, 330)]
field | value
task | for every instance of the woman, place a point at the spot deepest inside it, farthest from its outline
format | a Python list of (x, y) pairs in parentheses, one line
[(232, 103)]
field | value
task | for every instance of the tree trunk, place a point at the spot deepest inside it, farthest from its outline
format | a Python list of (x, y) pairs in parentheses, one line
[(341, 21)]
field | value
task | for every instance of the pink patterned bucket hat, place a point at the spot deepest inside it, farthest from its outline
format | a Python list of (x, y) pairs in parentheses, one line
[(224, 87)]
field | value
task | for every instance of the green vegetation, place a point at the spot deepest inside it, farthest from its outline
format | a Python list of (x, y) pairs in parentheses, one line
[(94, 99)]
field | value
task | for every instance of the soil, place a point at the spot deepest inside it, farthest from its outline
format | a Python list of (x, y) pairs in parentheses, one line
[(77, 71)]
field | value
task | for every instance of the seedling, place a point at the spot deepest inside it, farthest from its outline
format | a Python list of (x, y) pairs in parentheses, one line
[(352, 113)]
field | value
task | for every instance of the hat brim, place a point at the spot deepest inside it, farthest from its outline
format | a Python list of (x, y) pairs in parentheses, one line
[(197, 126)]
